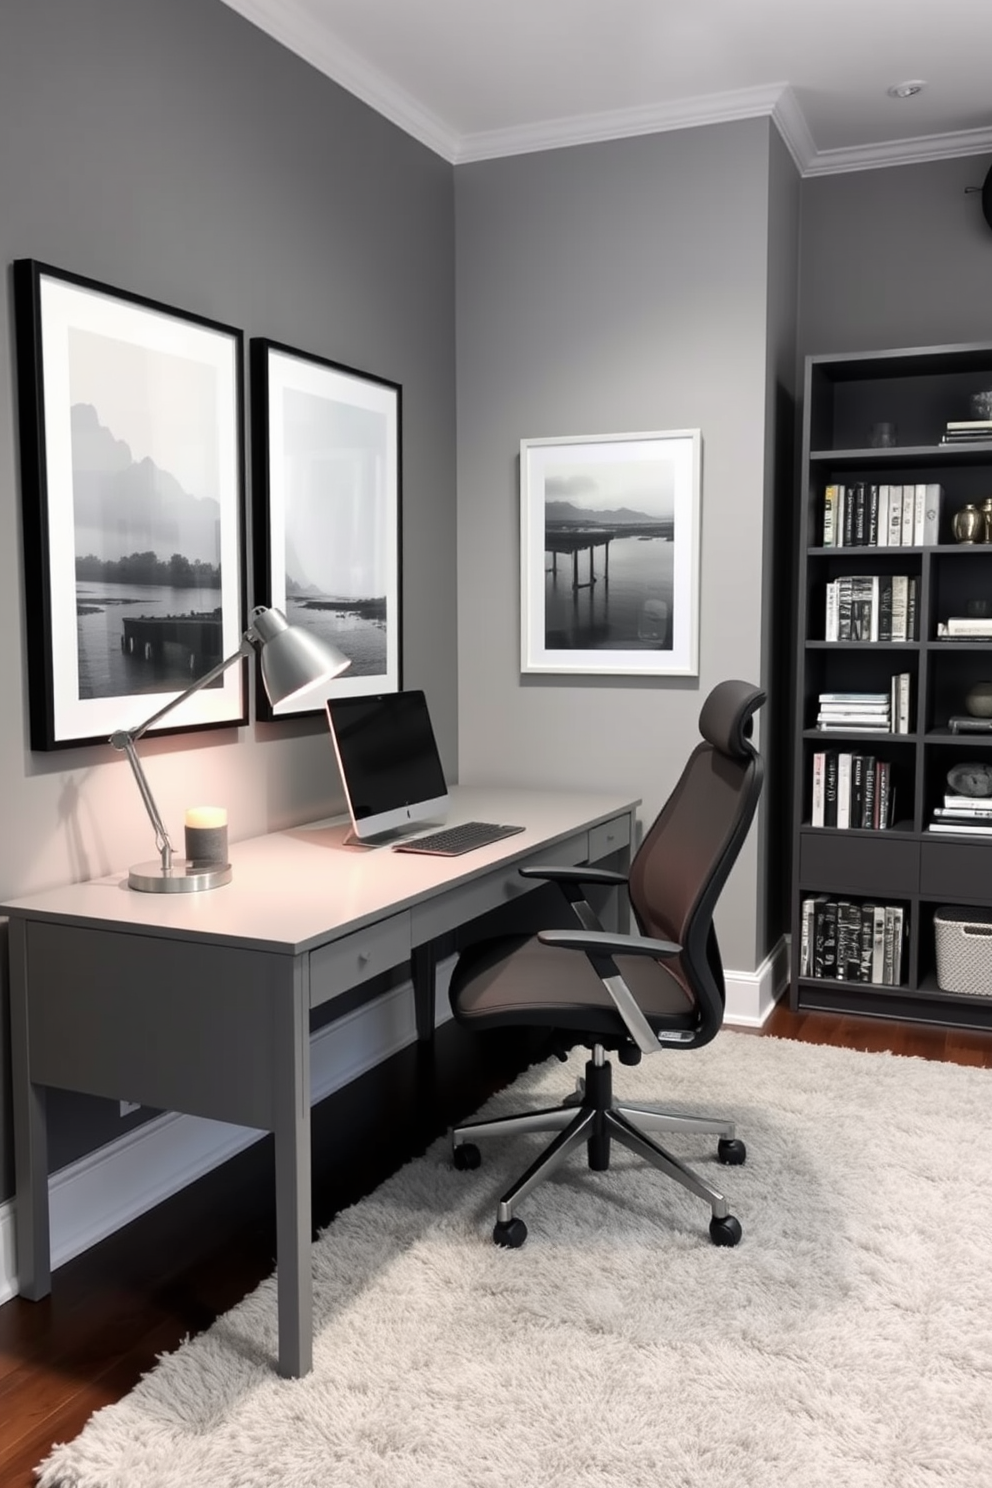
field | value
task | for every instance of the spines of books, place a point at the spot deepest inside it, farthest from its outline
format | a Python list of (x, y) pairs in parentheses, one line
[(851, 789), (871, 607), (969, 815), (965, 628), (847, 940), (967, 431), (868, 712), (869, 515)]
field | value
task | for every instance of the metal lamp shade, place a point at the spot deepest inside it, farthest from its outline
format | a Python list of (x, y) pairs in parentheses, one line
[(293, 661)]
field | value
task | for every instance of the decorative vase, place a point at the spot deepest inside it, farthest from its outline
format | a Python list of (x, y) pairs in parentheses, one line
[(978, 700), (968, 525), (986, 511)]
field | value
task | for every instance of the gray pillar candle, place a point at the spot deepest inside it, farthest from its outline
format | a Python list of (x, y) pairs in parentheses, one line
[(206, 836)]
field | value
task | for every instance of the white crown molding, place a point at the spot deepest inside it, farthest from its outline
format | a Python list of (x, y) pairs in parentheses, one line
[(901, 152), (290, 23), (294, 28), (685, 113)]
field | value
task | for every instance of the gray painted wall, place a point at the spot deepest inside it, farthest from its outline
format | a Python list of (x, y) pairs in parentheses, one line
[(607, 288), (891, 258), (170, 148)]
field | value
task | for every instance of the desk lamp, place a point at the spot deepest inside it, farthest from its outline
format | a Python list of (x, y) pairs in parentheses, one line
[(292, 662)]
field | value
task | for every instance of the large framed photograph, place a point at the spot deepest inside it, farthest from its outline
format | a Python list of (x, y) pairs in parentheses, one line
[(609, 577), (326, 477), (132, 472)]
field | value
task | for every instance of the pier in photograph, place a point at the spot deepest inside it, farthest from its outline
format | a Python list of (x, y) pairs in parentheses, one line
[(196, 640), (567, 540)]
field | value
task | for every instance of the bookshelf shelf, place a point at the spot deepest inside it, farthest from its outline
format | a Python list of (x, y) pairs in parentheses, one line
[(869, 873)]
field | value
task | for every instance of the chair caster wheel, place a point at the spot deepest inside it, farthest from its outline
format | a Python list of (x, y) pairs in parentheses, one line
[(466, 1156), (731, 1150), (725, 1231), (509, 1233)]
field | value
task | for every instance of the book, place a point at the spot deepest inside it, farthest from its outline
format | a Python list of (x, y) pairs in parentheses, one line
[(919, 512), (883, 795), (844, 789), (963, 723), (967, 625), (967, 425), (931, 514), (895, 516), (976, 829), (908, 516), (869, 782), (818, 799), (878, 943), (830, 789), (968, 803), (854, 697), (883, 516), (829, 516)]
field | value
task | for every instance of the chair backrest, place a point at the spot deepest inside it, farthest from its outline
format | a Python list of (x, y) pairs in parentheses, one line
[(683, 861)]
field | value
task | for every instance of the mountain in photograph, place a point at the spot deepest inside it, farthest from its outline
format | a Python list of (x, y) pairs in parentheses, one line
[(123, 506), (566, 511)]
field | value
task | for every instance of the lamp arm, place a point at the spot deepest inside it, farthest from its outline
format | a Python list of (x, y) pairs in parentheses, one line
[(125, 740), (162, 839)]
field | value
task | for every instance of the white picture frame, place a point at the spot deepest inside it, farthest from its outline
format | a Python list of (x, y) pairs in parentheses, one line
[(609, 554)]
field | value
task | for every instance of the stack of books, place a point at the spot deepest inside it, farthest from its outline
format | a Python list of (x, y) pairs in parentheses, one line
[(868, 712), (855, 711), (967, 431), (971, 815), (848, 941)]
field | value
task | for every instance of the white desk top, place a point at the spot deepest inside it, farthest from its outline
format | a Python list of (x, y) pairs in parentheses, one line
[(291, 889)]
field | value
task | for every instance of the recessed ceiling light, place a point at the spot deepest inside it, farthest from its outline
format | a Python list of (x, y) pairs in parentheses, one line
[(906, 90)]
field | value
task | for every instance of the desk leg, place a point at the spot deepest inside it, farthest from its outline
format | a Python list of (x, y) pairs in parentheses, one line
[(34, 1257), (423, 972), (294, 1277)]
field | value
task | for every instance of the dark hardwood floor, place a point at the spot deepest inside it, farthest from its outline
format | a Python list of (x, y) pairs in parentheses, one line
[(174, 1270)]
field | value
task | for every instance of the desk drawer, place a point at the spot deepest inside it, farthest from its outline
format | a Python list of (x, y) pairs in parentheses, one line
[(609, 837), (353, 959), (882, 863)]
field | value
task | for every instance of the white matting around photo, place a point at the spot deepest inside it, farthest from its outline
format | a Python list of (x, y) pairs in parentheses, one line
[(845, 1343)]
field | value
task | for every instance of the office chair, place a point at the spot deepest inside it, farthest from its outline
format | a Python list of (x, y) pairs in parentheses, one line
[(662, 988)]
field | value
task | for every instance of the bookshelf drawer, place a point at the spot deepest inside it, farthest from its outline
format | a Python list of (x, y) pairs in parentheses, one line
[(957, 870), (873, 864)]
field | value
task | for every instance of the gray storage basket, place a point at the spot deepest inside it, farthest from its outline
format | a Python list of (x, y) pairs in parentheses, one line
[(964, 950)]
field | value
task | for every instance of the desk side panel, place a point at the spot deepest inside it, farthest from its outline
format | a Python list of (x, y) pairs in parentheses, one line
[(178, 1025)]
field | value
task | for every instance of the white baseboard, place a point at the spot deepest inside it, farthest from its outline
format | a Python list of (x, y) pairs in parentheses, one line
[(751, 995), (98, 1194)]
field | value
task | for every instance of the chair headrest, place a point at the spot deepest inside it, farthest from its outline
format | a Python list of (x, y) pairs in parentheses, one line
[(725, 720)]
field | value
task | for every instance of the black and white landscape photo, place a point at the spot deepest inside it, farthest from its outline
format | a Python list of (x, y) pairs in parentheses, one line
[(139, 417), (333, 514), (610, 529)]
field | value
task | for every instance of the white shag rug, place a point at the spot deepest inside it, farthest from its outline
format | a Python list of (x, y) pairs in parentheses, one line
[(845, 1343)]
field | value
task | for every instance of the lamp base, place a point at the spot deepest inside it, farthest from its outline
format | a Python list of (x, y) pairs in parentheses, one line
[(183, 877)]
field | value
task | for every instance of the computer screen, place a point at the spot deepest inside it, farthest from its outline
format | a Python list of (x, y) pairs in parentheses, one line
[(389, 761)]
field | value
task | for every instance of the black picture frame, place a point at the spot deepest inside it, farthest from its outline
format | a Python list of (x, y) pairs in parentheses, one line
[(327, 512), (131, 420)]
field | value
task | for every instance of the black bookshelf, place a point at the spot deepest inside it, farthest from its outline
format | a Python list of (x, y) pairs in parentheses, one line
[(902, 863)]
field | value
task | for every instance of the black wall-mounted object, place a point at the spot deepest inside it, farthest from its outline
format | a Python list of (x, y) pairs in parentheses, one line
[(987, 198)]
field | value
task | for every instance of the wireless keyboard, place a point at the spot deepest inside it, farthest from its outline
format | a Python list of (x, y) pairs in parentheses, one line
[(450, 841)]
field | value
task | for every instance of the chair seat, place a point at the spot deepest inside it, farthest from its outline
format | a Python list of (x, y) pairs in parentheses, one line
[(515, 980)]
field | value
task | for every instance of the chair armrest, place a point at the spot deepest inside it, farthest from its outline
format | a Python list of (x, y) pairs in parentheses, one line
[(605, 943), (581, 874), (601, 946)]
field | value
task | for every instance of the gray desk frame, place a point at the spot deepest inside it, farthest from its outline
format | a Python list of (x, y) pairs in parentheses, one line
[(201, 1003)]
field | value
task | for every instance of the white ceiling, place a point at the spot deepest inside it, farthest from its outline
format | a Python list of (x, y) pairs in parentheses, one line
[(474, 80)]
